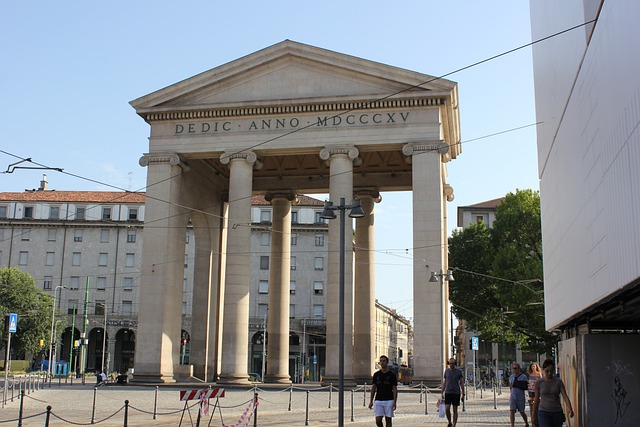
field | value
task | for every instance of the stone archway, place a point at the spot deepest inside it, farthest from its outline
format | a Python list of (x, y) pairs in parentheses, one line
[(290, 119)]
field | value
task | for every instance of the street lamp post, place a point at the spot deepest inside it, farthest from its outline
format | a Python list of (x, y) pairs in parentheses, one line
[(329, 213), (440, 278), (104, 337), (52, 346)]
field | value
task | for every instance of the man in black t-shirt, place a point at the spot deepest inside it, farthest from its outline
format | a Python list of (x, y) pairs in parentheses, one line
[(384, 387)]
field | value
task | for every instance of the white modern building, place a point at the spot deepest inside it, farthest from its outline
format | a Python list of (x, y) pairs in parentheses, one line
[(77, 243), (587, 88)]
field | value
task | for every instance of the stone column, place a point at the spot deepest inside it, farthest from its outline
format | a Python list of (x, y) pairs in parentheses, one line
[(429, 311), (340, 161), (279, 282), (162, 270), (235, 334), (364, 325)]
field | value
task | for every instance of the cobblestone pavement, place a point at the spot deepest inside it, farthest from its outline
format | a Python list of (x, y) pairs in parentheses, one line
[(73, 405)]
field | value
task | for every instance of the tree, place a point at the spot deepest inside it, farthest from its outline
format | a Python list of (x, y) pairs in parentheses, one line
[(498, 288), (18, 294)]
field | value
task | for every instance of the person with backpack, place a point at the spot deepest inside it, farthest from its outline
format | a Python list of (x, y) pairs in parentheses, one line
[(518, 383)]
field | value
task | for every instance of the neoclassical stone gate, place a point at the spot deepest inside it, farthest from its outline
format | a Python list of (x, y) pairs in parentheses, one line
[(289, 119)]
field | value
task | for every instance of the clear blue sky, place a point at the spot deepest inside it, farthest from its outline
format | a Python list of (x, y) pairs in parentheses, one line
[(69, 69)]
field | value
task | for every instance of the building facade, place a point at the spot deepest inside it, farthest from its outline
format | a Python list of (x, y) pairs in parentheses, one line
[(587, 92), (85, 245)]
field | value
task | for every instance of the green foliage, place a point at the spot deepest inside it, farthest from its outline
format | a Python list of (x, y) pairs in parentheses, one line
[(498, 287), (18, 294)]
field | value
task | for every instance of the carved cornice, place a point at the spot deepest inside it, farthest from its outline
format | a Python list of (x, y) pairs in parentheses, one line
[(448, 192), (293, 109), (368, 192), (289, 195), (416, 148), (249, 156)]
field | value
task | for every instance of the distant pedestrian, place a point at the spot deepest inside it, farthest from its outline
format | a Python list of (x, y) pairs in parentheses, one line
[(547, 410), (452, 391), (534, 373), (384, 388), (518, 383)]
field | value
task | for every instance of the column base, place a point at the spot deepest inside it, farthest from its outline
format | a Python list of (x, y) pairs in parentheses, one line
[(152, 379), (427, 381), (348, 382), (234, 379), (277, 379)]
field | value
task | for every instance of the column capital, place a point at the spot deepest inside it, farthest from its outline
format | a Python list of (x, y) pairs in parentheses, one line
[(349, 150), (368, 192), (159, 158), (421, 147), (289, 195), (249, 156), (448, 192)]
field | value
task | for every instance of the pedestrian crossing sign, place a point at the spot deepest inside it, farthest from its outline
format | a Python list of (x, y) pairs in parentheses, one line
[(13, 322)]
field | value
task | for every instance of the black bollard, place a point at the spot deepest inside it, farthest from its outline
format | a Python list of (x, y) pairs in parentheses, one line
[(21, 406), (255, 410), (126, 412), (155, 403), (46, 420), (306, 418), (93, 410)]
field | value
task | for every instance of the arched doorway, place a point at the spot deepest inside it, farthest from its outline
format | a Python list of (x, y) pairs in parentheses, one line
[(125, 350), (185, 347), (69, 351), (94, 350)]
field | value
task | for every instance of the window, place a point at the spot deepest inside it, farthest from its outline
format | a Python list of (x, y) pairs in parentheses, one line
[(52, 234), (23, 258), (319, 239), (319, 263), (263, 287), (264, 263), (26, 234), (320, 220), (184, 307), (293, 262), (77, 235), (127, 307), (54, 212), (186, 238), (80, 213), (292, 311), (75, 259), (265, 238), (318, 311), (131, 236), (292, 287), (74, 282), (104, 236), (318, 288), (184, 285), (101, 283), (262, 310), (129, 260), (186, 260), (102, 259), (294, 217), (72, 306), (106, 213), (3, 211), (265, 216), (49, 259), (480, 219), (133, 214), (294, 239), (28, 212), (128, 284), (48, 280), (100, 307)]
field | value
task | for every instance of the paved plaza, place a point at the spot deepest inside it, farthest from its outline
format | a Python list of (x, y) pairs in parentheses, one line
[(73, 404)]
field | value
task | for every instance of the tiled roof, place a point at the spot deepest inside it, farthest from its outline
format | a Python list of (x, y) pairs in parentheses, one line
[(488, 204), (74, 197)]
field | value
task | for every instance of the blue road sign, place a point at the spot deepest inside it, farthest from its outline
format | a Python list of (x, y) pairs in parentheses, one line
[(13, 322), (475, 343)]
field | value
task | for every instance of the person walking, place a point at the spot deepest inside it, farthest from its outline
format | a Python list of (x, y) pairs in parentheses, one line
[(518, 383), (452, 391), (534, 373), (384, 388), (547, 410)]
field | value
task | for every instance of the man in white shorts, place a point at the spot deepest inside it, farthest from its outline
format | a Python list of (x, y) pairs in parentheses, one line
[(384, 387)]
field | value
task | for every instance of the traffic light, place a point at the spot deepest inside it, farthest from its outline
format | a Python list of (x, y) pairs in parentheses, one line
[(41, 342)]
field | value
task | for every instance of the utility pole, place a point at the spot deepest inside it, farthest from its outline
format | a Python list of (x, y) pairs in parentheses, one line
[(72, 341), (83, 348)]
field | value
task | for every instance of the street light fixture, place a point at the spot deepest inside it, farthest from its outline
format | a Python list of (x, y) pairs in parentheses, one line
[(53, 323), (355, 211)]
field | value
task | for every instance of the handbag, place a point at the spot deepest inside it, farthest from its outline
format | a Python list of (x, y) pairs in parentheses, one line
[(441, 411)]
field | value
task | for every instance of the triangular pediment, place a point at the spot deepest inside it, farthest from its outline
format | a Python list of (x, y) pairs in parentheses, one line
[(291, 73)]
